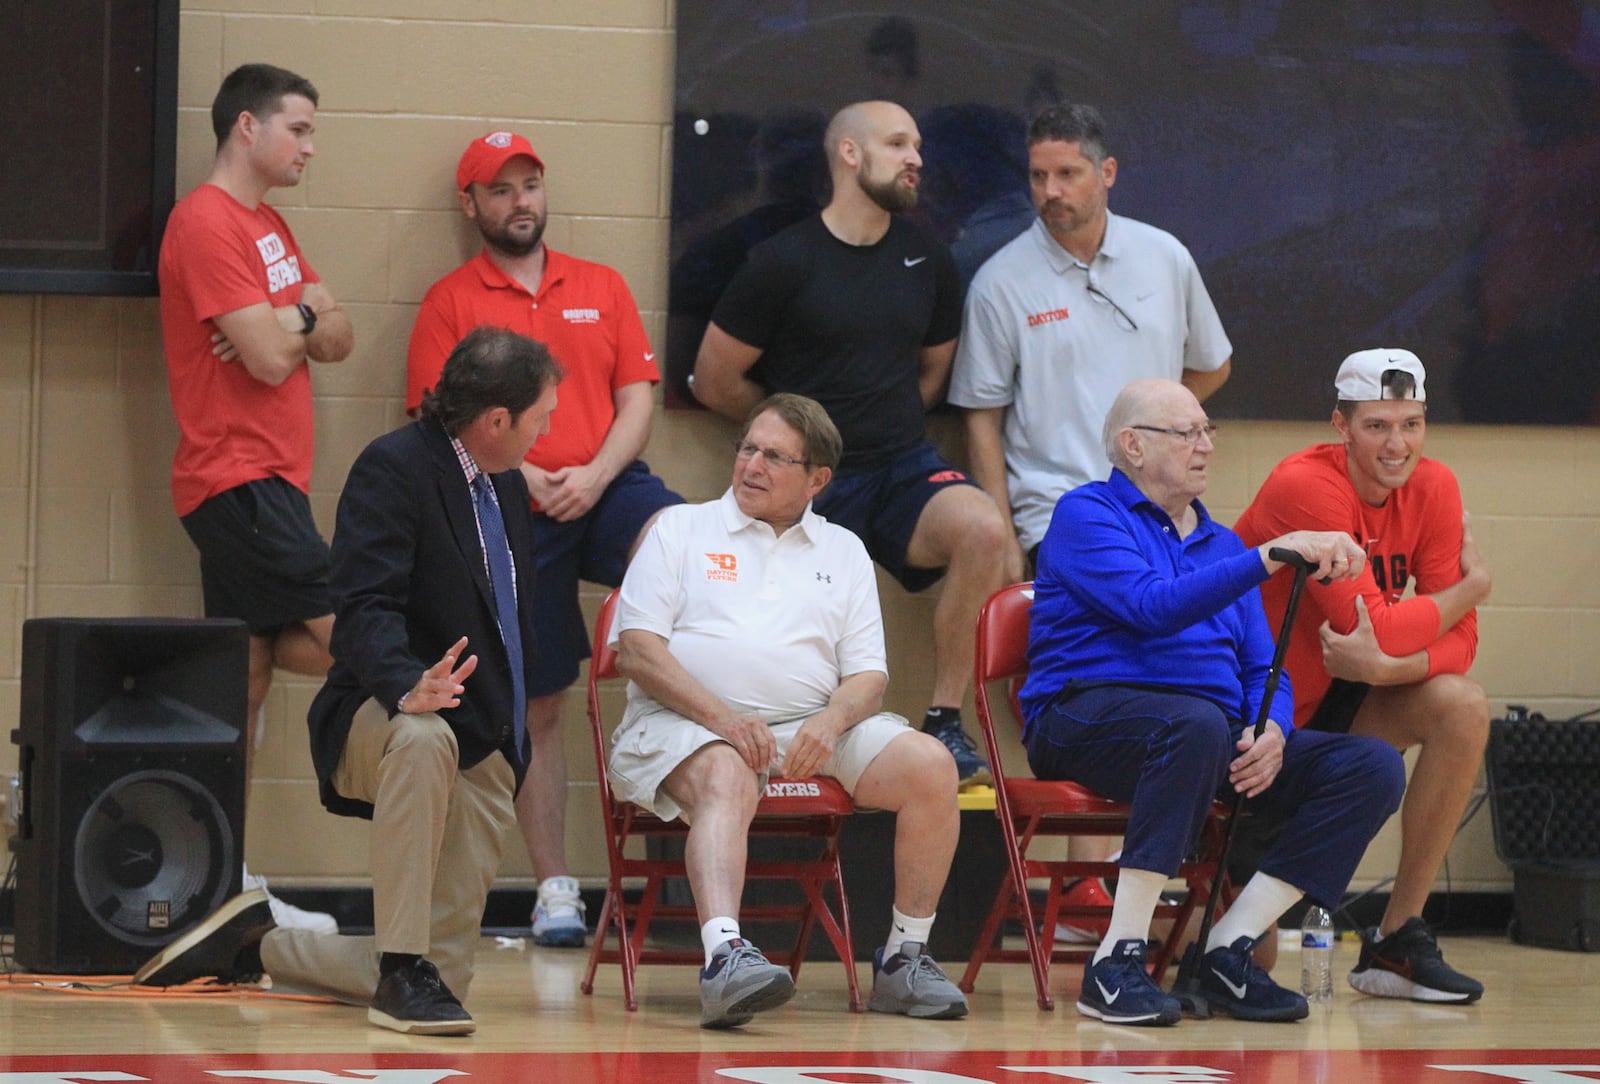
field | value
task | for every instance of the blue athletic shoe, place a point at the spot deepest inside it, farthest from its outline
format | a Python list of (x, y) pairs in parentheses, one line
[(1232, 983), (971, 768), (1118, 990)]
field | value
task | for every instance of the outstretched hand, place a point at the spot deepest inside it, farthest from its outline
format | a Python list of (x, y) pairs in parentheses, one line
[(1330, 554), (441, 684)]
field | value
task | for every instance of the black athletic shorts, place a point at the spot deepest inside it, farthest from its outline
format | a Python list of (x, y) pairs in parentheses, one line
[(1338, 708), (261, 558)]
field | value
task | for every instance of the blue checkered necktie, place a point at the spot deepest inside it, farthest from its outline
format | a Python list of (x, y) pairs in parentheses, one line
[(498, 552)]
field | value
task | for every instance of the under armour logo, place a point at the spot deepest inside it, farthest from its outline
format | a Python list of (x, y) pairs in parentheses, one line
[(821, 578)]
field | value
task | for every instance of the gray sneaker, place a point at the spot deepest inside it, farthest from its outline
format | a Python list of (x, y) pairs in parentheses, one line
[(910, 983), (738, 983)]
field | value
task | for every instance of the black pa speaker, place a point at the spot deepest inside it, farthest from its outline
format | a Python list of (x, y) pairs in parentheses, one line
[(131, 827)]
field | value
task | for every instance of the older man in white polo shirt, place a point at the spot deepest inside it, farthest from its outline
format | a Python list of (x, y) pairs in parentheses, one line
[(750, 631), (1064, 317)]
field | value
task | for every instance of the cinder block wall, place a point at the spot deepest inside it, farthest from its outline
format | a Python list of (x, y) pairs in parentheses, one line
[(86, 433)]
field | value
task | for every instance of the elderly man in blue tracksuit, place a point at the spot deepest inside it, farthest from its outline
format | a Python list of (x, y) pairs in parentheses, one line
[(1148, 654)]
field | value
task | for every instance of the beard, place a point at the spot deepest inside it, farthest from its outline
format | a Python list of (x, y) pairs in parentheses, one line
[(503, 240), (889, 195), (500, 238)]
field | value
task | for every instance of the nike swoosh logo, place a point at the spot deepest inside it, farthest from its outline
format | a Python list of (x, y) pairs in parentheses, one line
[(726, 930), (1144, 297), (899, 928), (913, 262), (648, 356), (1106, 995), (1237, 991)]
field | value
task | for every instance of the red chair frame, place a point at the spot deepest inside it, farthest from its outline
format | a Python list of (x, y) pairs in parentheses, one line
[(1031, 809), (812, 808)]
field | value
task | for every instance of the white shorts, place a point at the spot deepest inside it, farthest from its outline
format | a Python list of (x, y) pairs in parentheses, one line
[(647, 749)]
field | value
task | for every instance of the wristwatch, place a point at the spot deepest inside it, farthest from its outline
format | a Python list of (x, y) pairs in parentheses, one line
[(309, 315)]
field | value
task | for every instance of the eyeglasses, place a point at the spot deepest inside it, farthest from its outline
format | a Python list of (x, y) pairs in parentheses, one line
[(1124, 321), (1188, 436), (743, 449)]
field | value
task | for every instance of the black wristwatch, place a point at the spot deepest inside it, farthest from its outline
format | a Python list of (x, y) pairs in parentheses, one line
[(309, 315)]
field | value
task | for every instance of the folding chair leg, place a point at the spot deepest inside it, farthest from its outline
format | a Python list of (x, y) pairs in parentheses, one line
[(600, 928), (838, 933), (986, 938), (1038, 955)]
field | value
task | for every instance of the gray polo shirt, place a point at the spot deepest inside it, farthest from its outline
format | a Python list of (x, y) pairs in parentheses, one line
[(1036, 340)]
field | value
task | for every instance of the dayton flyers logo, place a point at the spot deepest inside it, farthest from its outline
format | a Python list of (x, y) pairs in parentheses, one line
[(724, 566)]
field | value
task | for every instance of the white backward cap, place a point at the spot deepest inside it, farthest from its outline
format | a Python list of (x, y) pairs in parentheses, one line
[(1361, 377)]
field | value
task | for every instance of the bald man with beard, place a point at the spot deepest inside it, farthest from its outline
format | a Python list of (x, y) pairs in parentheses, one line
[(859, 309)]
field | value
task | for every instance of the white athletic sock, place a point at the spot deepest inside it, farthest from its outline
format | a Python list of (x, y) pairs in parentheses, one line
[(1256, 909), (715, 932), (903, 928), (1138, 892)]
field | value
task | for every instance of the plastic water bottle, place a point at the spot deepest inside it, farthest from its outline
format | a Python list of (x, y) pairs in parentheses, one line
[(1316, 956)]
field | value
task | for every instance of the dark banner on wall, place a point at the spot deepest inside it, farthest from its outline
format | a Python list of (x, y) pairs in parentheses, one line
[(1347, 175)]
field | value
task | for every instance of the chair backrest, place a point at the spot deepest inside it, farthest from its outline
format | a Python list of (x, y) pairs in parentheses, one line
[(602, 667), (603, 660), (1002, 645), (1001, 653)]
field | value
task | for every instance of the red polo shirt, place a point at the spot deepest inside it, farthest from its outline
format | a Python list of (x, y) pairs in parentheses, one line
[(583, 312)]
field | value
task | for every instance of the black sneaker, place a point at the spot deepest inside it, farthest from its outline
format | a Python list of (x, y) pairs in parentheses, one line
[(215, 946), (971, 769), (1232, 983), (413, 999), (1119, 990), (1408, 964)]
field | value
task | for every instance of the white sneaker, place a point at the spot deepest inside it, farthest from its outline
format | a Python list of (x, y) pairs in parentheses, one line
[(287, 915), (558, 916)]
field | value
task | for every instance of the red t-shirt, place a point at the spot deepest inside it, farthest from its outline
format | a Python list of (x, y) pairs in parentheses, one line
[(1414, 540), (219, 256), (583, 312)]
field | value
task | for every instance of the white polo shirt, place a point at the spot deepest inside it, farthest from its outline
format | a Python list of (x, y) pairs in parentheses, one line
[(770, 623), (1035, 340)]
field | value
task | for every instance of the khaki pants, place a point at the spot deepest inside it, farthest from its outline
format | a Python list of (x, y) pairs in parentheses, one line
[(436, 835)]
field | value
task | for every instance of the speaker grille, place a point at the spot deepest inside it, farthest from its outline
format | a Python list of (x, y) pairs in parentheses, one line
[(152, 856)]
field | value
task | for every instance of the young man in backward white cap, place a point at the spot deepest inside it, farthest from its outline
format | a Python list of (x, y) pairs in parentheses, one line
[(1365, 661)]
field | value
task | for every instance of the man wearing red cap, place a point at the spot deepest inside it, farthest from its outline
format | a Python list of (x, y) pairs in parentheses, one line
[(1366, 661), (593, 498)]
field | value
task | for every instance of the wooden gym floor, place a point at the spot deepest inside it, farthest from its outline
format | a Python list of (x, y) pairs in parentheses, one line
[(1537, 1023)]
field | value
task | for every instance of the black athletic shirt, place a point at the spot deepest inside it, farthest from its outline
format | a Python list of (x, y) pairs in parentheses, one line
[(846, 324)]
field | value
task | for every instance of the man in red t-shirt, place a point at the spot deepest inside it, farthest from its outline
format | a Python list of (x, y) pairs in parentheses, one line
[(593, 498), (1365, 660), (241, 312)]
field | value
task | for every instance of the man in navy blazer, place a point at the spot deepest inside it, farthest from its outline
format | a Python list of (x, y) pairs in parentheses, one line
[(421, 724)]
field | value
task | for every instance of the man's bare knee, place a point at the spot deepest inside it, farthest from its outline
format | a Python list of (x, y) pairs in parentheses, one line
[(713, 777), (1462, 710)]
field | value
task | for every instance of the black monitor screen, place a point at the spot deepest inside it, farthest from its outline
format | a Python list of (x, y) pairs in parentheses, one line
[(1347, 175), (89, 111)]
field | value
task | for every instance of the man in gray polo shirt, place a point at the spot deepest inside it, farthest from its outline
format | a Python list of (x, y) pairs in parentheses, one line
[(1062, 319)]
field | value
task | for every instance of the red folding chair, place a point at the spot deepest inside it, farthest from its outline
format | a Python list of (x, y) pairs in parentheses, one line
[(812, 808), (1033, 809)]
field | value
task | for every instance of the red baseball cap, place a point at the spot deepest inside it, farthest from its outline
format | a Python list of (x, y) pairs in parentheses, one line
[(483, 157)]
